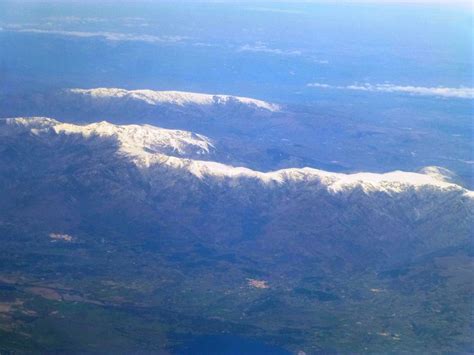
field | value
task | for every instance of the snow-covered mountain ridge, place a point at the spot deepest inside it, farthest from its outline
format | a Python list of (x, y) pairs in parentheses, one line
[(134, 140), (150, 147), (178, 98)]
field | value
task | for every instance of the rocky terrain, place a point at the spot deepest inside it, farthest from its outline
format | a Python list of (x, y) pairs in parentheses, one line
[(134, 219)]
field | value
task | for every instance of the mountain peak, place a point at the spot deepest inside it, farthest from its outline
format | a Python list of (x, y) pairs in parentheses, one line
[(134, 140), (439, 173)]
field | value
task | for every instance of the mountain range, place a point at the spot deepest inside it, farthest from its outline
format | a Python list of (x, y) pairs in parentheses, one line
[(158, 225), (261, 135)]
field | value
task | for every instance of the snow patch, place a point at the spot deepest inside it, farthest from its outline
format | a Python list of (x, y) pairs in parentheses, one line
[(61, 237)]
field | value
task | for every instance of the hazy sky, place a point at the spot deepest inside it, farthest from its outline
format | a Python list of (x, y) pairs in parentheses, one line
[(443, 2)]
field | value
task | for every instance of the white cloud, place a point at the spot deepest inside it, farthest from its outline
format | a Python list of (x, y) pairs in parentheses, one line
[(260, 47), (78, 20), (440, 91), (319, 85), (462, 92), (276, 10), (109, 36), (75, 19)]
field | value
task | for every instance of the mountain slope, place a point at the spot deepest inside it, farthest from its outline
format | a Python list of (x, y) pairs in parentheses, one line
[(163, 158), (134, 220)]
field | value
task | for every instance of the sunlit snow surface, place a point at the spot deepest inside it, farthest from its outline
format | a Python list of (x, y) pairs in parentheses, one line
[(148, 146), (172, 97)]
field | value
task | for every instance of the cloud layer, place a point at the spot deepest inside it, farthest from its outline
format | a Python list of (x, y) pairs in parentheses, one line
[(262, 48), (276, 10), (461, 92), (109, 36)]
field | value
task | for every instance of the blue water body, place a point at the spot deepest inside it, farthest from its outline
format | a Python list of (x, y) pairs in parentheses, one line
[(228, 345)]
